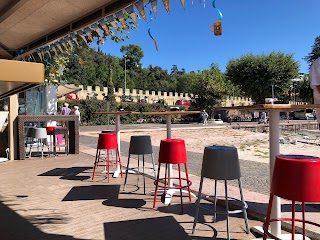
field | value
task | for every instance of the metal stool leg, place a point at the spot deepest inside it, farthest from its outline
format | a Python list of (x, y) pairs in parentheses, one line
[(138, 170), (144, 176), (156, 190), (126, 177), (227, 207), (197, 206), (154, 168), (245, 210), (180, 184), (215, 201)]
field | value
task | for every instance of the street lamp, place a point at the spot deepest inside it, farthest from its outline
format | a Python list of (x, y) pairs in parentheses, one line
[(125, 74)]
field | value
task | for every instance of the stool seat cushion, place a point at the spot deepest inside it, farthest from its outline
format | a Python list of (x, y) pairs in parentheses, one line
[(107, 141), (40, 133), (172, 151), (297, 177), (220, 163), (140, 145)]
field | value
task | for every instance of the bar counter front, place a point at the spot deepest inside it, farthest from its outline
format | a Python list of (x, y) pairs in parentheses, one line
[(72, 124)]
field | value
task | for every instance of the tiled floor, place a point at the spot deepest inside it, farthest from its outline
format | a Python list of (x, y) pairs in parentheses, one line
[(54, 198)]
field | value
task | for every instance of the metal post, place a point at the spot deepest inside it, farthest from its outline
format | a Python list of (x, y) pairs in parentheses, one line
[(272, 85), (125, 74)]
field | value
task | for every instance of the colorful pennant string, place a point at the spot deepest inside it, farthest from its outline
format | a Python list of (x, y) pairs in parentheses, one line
[(220, 13), (149, 28)]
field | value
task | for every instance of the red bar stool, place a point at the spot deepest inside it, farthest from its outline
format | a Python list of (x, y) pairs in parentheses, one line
[(295, 178), (172, 151), (107, 142), (50, 134)]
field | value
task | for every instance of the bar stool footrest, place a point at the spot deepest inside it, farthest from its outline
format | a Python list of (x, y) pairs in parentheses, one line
[(236, 211)]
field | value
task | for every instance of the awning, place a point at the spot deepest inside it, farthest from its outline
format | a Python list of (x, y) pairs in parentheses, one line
[(67, 89), (17, 76)]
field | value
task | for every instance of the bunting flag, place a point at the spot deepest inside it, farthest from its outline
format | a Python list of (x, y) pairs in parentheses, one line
[(81, 34), (112, 21), (104, 27), (97, 29), (183, 2), (132, 14), (154, 7), (87, 30), (120, 16), (59, 47), (54, 49), (140, 6), (64, 45), (166, 4), (69, 42), (74, 38)]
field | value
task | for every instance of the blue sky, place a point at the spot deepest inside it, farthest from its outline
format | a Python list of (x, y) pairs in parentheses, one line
[(249, 26)]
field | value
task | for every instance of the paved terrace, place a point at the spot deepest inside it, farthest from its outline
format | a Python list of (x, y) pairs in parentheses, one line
[(54, 198)]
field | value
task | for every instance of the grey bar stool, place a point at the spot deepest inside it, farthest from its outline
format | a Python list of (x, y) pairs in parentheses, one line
[(140, 145), (40, 134), (221, 163)]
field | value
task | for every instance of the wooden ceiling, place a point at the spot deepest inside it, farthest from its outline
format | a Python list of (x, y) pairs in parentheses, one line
[(30, 24)]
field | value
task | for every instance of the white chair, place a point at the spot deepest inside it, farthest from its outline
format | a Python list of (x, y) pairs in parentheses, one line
[(40, 137)]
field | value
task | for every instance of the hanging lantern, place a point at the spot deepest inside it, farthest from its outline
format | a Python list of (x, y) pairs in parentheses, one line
[(216, 28)]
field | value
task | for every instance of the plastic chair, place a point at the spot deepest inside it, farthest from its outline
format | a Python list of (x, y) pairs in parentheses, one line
[(40, 134), (295, 178), (172, 151), (221, 163), (140, 145)]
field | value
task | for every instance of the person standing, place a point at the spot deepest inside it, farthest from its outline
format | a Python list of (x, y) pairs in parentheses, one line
[(315, 84), (204, 116), (76, 112), (65, 110)]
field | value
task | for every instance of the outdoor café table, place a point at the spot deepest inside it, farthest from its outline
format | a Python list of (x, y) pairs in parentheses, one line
[(274, 146), (117, 118), (169, 114)]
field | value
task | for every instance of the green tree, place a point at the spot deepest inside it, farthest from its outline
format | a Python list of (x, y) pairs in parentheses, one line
[(303, 90), (256, 74), (211, 88), (133, 54), (315, 52)]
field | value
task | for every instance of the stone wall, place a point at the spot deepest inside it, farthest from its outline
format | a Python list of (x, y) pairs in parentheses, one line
[(150, 96)]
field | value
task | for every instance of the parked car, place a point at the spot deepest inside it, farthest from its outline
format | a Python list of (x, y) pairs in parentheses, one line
[(308, 113), (185, 103)]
